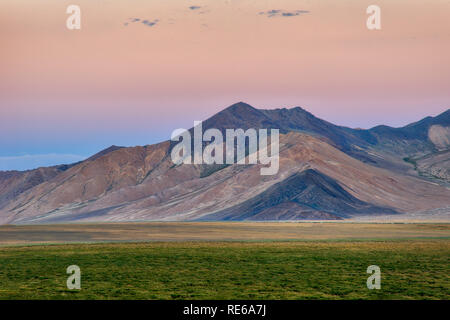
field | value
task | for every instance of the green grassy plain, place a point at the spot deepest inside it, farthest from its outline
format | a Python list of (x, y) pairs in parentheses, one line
[(410, 269)]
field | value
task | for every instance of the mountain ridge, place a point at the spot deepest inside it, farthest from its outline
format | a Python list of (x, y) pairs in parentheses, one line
[(141, 183)]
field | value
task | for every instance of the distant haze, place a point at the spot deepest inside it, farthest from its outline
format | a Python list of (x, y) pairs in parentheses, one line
[(121, 82)]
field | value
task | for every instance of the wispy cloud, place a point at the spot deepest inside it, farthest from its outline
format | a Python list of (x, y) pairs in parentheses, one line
[(32, 161), (199, 9), (283, 13), (148, 23)]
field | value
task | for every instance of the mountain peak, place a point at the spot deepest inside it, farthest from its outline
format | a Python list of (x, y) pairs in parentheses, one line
[(298, 108), (238, 115), (240, 107)]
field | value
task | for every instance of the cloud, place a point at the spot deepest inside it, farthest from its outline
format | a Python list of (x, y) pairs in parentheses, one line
[(150, 23), (146, 22), (282, 13), (197, 9), (26, 162), (270, 13)]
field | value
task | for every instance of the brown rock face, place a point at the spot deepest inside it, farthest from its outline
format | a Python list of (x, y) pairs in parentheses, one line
[(440, 136)]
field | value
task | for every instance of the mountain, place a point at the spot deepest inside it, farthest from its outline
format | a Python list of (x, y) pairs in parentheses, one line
[(326, 172), (413, 139)]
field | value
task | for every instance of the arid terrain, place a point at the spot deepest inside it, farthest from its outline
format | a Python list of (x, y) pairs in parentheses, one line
[(218, 231)]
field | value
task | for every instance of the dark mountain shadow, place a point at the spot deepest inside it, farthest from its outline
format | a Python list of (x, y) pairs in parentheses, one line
[(305, 195)]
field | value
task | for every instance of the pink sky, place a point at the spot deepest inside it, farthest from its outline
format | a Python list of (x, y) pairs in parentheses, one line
[(108, 81)]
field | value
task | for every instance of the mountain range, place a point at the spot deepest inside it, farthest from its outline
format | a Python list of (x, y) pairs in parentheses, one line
[(327, 172)]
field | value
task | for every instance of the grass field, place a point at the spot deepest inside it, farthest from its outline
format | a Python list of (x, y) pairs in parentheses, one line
[(410, 269)]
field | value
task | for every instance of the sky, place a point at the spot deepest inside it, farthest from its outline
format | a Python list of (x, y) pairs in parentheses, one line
[(137, 70)]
